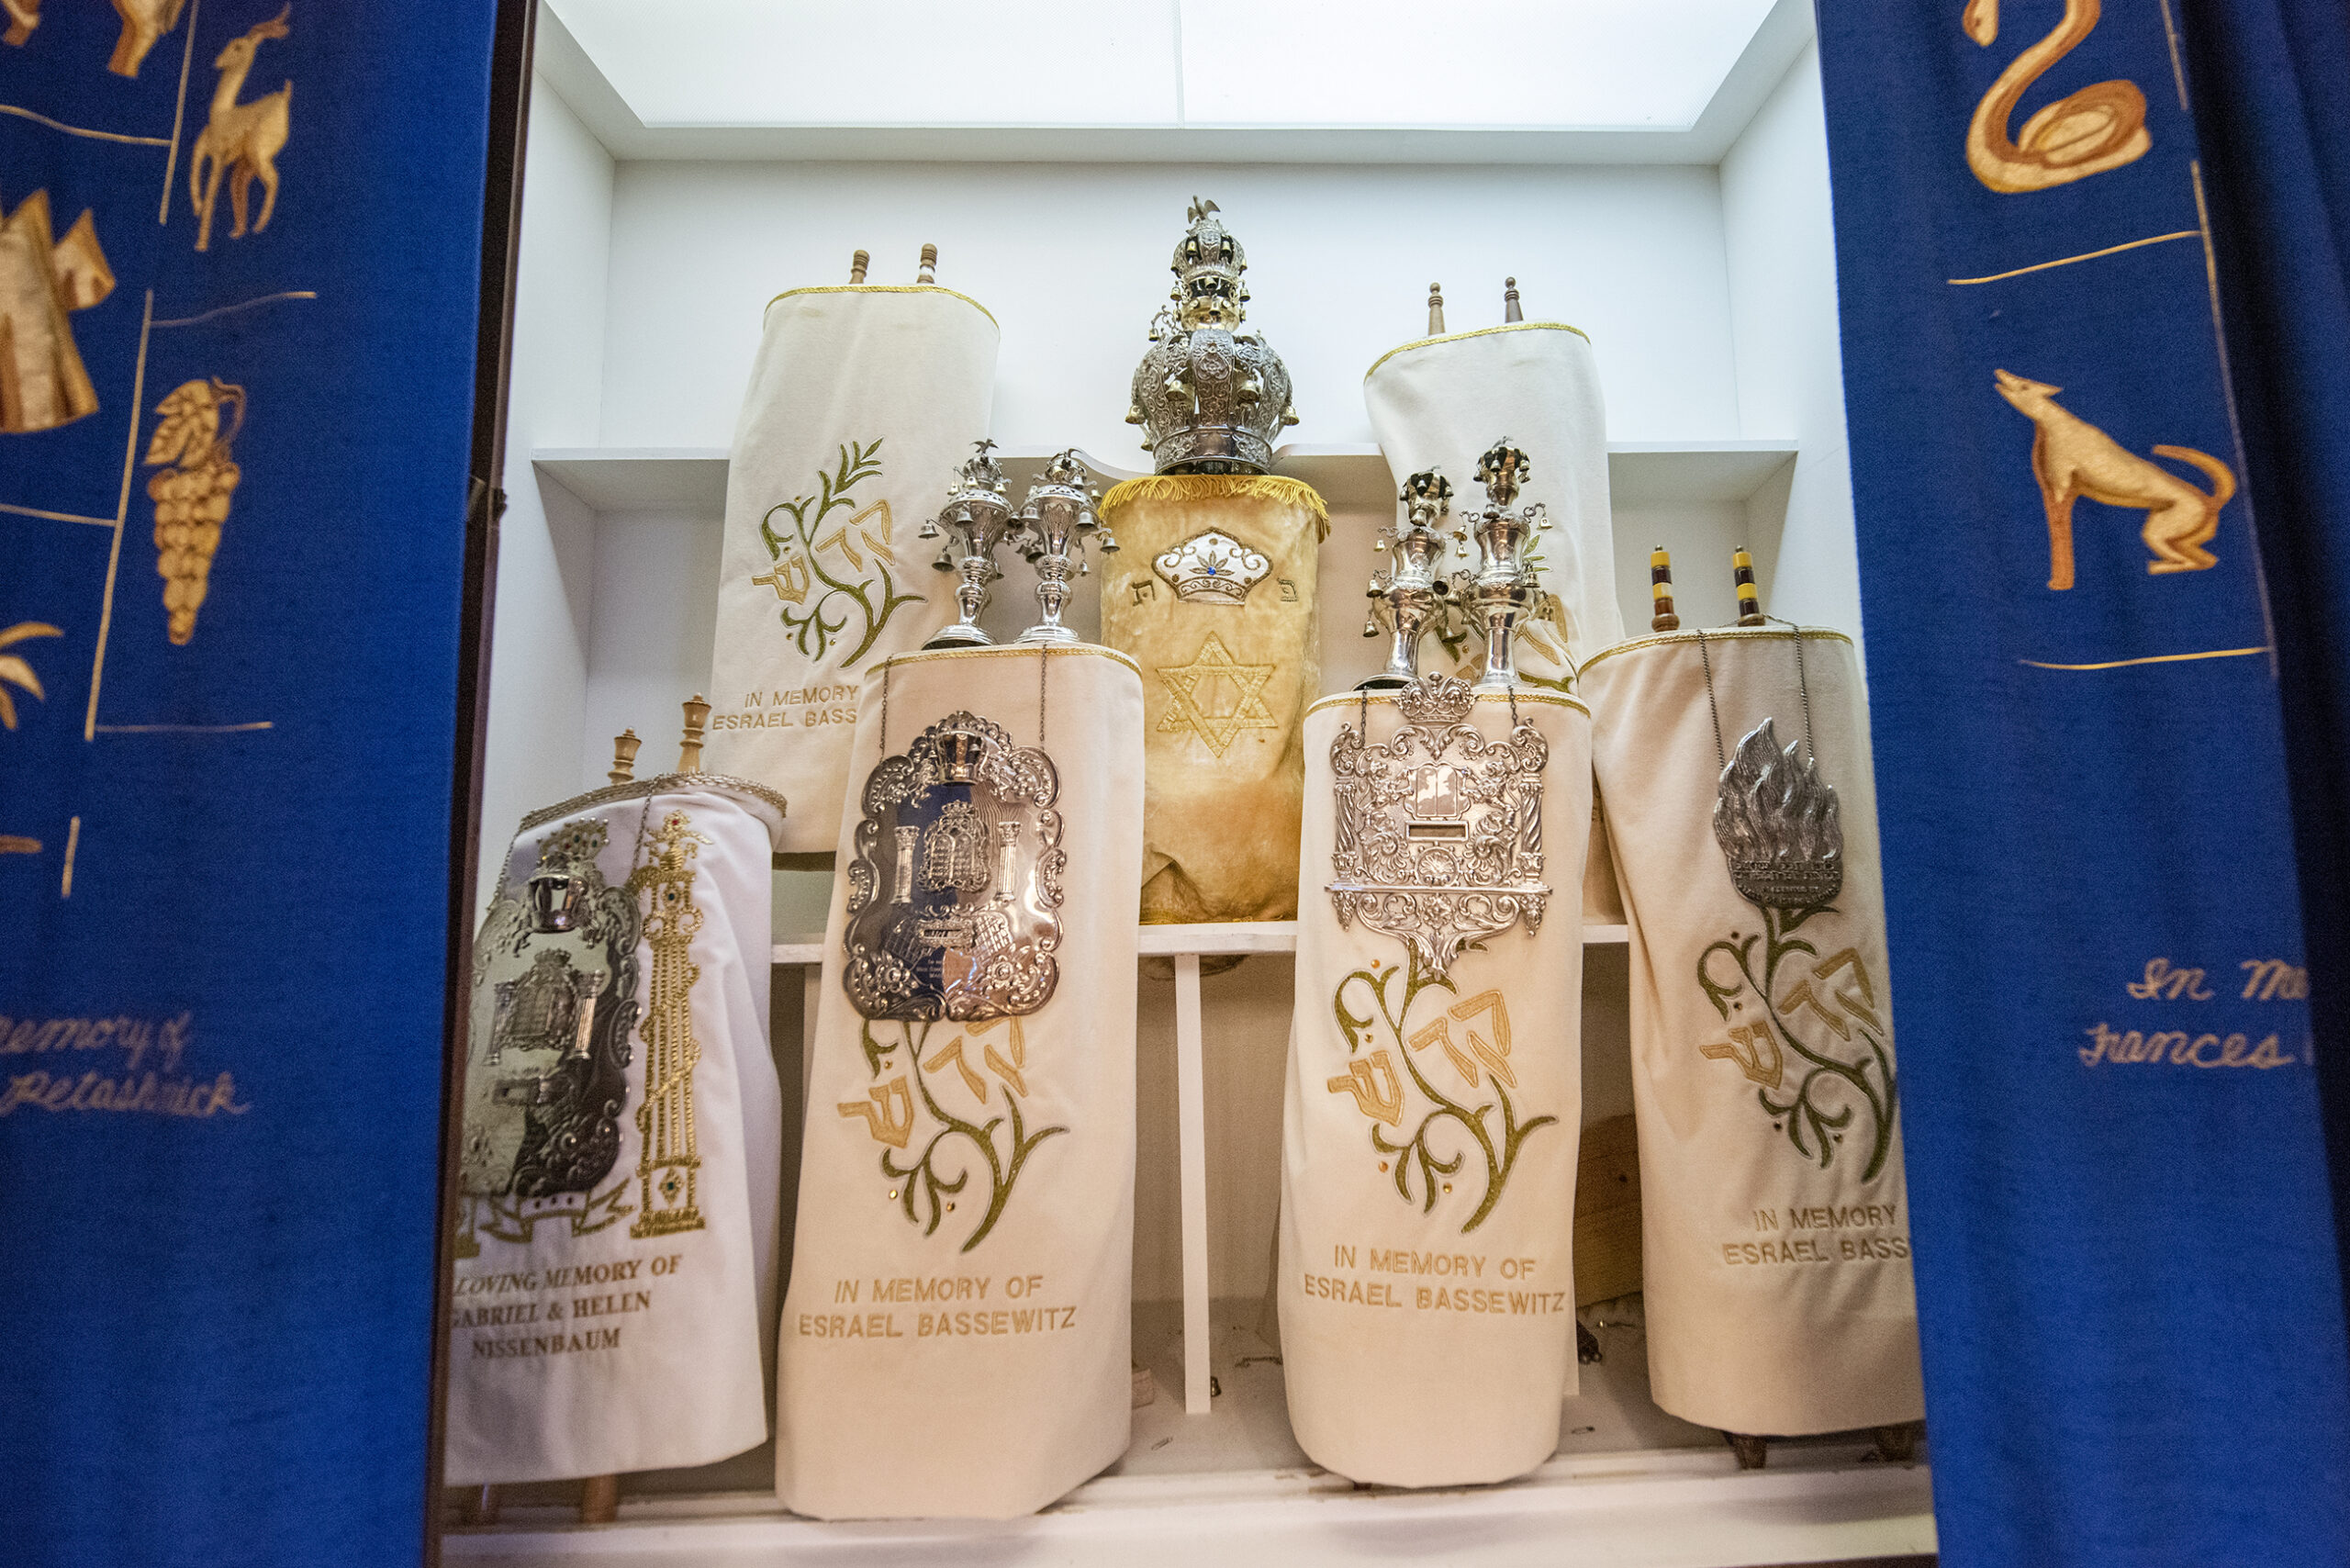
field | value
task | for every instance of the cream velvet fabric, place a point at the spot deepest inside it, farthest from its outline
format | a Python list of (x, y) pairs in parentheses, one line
[(862, 401), (1440, 402), (584, 1354), (924, 1371), (1224, 686), (1431, 1347), (1779, 1292)]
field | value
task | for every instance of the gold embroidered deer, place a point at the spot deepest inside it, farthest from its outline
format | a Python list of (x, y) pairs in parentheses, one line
[(143, 23), (2072, 458), (241, 142)]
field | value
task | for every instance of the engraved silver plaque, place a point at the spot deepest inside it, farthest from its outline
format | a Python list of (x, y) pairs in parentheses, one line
[(954, 890), (1440, 830), (554, 1000), (1779, 825)]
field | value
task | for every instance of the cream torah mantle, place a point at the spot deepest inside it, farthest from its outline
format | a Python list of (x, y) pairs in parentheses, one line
[(619, 1158), (862, 397), (956, 1338), (1437, 402), (1733, 770), (1433, 1098)]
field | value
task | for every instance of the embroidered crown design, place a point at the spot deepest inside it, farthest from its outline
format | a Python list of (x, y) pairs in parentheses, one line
[(1211, 566)]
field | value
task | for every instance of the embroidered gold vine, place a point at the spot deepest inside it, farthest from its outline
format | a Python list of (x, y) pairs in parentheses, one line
[(819, 602), (1370, 1078), (1840, 995), (888, 1111)]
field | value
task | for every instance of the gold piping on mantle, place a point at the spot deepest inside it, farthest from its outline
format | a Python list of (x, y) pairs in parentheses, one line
[(637, 789), (1211, 486), (1715, 634), (884, 289), (1478, 333), (1026, 651)]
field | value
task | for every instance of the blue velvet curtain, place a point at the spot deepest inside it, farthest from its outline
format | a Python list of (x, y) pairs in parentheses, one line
[(2272, 109), (239, 255), (2099, 382)]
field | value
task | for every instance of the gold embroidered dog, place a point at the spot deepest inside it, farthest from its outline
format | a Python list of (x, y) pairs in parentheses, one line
[(2073, 458)]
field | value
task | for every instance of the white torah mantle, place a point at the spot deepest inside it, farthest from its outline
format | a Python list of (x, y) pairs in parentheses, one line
[(1434, 1103), (1440, 402), (619, 1156), (862, 399), (1774, 1225), (955, 1340)]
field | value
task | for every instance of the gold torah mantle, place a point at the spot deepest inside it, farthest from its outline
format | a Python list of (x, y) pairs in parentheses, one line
[(1212, 593)]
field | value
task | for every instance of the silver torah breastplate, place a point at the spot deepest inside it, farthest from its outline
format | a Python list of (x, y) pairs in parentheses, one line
[(955, 889), (1440, 830), (546, 1077), (1210, 396)]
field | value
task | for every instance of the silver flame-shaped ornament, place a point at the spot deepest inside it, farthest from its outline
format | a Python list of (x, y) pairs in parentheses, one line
[(1779, 825), (1409, 593), (1055, 523), (1440, 830), (977, 515), (1502, 592)]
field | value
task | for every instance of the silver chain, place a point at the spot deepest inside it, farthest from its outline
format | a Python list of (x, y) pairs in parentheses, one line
[(1802, 689)]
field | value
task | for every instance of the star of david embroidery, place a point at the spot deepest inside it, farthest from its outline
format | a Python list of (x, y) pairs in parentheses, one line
[(1215, 698)]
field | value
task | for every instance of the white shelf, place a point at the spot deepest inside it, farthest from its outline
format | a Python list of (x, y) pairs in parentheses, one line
[(1208, 941), (1628, 1484), (692, 479)]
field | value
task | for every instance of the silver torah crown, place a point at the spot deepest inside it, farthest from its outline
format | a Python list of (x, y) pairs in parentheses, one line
[(1210, 398), (978, 514), (1439, 838), (1502, 591), (1054, 521), (1779, 825), (1411, 589)]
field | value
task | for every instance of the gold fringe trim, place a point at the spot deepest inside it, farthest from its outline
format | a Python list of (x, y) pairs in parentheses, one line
[(1217, 486), (1476, 332), (885, 288)]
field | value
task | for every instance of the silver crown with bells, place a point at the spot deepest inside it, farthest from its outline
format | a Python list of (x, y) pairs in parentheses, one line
[(1210, 398)]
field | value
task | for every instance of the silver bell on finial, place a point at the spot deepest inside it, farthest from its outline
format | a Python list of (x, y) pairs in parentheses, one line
[(979, 516), (1055, 523), (1410, 587), (1502, 591)]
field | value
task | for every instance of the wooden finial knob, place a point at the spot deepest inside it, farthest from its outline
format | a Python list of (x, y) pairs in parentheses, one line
[(689, 751), (1510, 311), (857, 265), (624, 746), (599, 1499), (1750, 598), (929, 273), (1435, 310), (1661, 589)]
